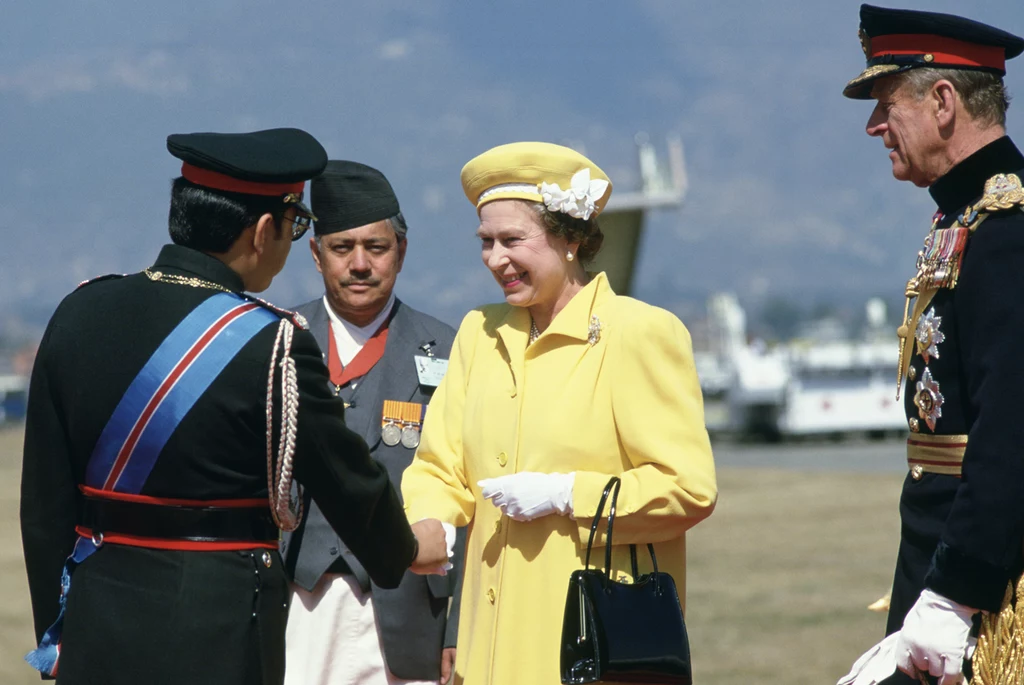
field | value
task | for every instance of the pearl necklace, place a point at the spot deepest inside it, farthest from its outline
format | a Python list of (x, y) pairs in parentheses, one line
[(534, 332)]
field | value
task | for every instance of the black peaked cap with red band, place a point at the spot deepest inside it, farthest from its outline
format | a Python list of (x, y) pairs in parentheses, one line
[(897, 40), (275, 162)]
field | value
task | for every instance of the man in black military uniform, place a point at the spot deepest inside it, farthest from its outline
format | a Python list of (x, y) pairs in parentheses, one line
[(940, 112), (167, 413)]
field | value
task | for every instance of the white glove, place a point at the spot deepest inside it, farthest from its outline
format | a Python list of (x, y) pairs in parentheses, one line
[(528, 495), (877, 664), (934, 638)]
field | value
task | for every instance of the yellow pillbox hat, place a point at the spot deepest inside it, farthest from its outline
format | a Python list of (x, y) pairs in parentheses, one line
[(561, 178)]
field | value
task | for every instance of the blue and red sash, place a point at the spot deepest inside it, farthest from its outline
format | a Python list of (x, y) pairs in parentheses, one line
[(166, 388)]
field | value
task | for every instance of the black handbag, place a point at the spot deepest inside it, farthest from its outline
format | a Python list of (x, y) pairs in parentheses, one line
[(622, 632)]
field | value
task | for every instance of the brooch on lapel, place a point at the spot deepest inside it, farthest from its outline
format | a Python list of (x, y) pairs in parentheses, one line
[(594, 331)]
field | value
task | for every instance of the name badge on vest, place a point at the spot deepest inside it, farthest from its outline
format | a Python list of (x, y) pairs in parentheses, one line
[(430, 370)]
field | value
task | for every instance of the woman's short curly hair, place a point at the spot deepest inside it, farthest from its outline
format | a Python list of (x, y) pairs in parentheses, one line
[(586, 232)]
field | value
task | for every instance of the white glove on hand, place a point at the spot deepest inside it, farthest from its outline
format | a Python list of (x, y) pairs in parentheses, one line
[(877, 664), (934, 638), (528, 495)]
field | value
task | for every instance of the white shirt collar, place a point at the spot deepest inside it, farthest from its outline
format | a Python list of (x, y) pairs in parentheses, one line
[(349, 338)]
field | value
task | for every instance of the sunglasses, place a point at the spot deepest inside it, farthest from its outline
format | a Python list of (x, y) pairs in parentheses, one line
[(300, 223)]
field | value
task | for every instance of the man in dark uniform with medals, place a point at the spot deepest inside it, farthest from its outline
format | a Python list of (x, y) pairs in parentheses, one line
[(385, 359), (940, 112), (168, 412)]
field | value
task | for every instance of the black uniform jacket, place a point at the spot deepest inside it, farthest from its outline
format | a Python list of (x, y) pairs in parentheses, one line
[(962, 537), (144, 615)]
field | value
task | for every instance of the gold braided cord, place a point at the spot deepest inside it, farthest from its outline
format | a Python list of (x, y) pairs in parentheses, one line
[(190, 281), (999, 656), (903, 333)]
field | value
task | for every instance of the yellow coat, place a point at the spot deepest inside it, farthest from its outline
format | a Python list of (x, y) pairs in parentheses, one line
[(628, 405)]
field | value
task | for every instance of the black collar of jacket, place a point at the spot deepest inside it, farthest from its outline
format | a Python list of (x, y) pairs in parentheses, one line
[(186, 261), (966, 181)]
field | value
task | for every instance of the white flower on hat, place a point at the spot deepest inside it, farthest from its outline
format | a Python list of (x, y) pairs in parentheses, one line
[(579, 200)]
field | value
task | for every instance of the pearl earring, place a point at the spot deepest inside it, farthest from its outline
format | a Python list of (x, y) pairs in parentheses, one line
[(570, 256)]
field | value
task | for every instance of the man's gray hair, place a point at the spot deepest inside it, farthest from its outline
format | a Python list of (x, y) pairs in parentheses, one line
[(396, 223), (983, 93)]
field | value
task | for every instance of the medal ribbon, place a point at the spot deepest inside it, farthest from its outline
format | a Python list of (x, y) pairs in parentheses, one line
[(412, 414), (367, 357), (405, 417)]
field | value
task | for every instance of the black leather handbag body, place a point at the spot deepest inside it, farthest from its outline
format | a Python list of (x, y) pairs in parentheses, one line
[(622, 632)]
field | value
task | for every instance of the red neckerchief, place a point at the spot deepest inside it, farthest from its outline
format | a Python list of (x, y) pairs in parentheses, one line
[(365, 359)]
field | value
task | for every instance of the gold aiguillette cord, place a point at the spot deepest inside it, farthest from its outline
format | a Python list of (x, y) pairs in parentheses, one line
[(903, 332)]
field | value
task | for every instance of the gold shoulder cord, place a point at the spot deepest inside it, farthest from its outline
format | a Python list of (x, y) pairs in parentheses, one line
[(190, 281)]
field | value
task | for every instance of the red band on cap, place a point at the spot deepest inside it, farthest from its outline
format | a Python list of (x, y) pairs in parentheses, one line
[(944, 50), (219, 181)]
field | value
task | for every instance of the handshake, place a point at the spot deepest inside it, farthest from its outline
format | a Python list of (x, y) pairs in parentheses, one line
[(436, 546)]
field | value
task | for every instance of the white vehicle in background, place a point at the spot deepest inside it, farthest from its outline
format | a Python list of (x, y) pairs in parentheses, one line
[(841, 387), (821, 384)]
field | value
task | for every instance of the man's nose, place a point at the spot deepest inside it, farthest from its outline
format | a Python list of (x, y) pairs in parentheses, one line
[(360, 260), (876, 122)]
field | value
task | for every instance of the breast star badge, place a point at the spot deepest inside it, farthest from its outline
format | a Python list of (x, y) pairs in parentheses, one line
[(928, 335), (928, 399)]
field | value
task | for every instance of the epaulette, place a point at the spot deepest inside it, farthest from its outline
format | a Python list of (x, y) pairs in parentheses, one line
[(1002, 192), (298, 319), (90, 281)]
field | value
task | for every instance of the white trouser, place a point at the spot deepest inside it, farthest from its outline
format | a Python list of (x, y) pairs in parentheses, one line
[(333, 639)]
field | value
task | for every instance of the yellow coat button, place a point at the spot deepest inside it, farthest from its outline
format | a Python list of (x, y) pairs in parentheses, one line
[(917, 472), (491, 595), (497, 526), (915, 425), (502, 459)]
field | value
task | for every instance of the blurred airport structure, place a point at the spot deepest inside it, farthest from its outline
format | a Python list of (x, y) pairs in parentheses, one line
[(663, 186)]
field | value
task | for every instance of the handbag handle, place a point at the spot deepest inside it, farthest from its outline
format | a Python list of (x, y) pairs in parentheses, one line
[(597, 518), (612, 488)]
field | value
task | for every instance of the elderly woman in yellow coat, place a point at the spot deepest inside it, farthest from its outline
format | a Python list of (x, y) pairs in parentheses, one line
[(545, 398)]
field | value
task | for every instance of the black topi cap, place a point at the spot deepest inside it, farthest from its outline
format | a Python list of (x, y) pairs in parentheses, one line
[(895, 41), (277, 161), (348, 195)]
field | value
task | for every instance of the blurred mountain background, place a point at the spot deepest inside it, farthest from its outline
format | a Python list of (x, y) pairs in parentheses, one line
[(791, 205)]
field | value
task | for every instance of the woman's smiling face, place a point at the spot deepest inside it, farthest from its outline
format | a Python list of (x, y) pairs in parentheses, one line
[(525, 259)]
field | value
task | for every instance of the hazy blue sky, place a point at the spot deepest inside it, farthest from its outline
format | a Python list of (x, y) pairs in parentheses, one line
[(788, 196)]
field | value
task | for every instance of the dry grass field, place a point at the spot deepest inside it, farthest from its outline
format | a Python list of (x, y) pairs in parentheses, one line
[(778, 580)]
